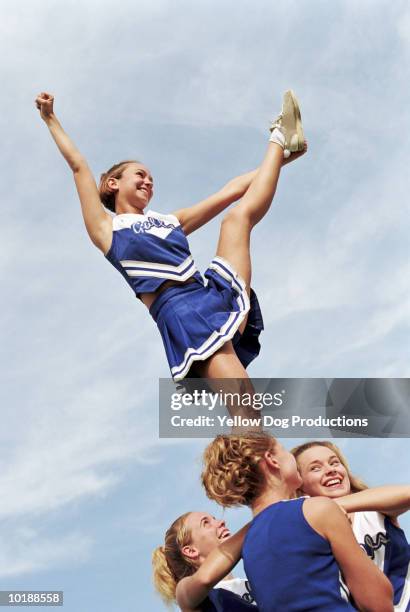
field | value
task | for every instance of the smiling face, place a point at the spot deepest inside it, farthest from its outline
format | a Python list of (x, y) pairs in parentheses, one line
[(133, 189), (323, 473), (136, 184), (207, 533)]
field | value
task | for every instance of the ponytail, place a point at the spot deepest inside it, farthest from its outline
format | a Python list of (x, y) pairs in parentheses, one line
[(169, 564), (164, 579)]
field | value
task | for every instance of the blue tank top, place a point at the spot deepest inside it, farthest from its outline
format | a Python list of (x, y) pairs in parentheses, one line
[(387, 546), (291, 567), (149, 250), (222, 600)]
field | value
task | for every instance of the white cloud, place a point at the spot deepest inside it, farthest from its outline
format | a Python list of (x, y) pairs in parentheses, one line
[(69, 449), (403, 26), (24, 551)]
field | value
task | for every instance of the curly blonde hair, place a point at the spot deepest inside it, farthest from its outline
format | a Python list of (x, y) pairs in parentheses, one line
[(107, 195), (356, 484), (169, 563), (231, 474)]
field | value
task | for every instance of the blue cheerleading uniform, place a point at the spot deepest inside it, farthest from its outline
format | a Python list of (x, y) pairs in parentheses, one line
[(221, 600), (387, 546), (149, 250), (194, 319), (289, 565), (230, 596)]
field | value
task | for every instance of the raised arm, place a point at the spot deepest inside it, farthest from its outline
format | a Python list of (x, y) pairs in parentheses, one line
[(390, 500), (370, 588), (192, 590), (195, 216), (97, 222)]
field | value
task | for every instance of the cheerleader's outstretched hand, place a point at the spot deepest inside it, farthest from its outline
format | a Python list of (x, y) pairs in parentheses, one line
[(97, 221), (44, 103)]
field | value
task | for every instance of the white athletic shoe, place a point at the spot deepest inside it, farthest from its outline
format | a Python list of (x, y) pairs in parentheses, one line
[(287, 128)]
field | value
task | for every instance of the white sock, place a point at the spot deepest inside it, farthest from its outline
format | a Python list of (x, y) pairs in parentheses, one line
[(278, 137)]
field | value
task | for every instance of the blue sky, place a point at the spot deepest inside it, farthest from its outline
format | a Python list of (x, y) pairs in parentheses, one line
[(189, 88)]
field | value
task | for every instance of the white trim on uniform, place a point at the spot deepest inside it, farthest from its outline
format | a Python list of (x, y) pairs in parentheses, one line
[(403, 604), (178, 277), (228, 329), (131, 263), (141, 268)]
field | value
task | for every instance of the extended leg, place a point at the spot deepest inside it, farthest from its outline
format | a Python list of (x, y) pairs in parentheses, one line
[(236, 227), (226, 374)]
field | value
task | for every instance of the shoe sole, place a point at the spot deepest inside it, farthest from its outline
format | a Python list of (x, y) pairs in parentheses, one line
[(294, 125)]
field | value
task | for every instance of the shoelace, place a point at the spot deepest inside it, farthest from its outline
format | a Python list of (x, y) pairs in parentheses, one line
[(277, 123)]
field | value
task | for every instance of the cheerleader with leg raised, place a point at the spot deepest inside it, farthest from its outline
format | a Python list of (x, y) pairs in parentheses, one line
[(208, 329)]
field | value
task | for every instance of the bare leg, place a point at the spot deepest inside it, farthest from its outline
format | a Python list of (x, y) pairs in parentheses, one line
[(225, 365), (234, 246), (236, 227), (222, 364)]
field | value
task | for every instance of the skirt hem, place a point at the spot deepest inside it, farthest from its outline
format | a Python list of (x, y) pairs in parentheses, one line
[(222, 280)]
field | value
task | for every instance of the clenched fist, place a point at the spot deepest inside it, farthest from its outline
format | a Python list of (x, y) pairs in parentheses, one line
[(44, 103)]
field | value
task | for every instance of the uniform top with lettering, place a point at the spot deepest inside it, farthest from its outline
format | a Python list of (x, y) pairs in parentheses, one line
[(387, 546), (149, 250), (230, 596), (289, 565)]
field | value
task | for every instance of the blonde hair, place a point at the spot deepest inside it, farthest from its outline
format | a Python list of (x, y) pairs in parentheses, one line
[(107, 195), (356, 484), (231, 474), (169, 563)]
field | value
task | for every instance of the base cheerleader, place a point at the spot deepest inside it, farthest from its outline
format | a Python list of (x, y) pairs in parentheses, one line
[(295, 550), (373, 512), (193, 566)]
